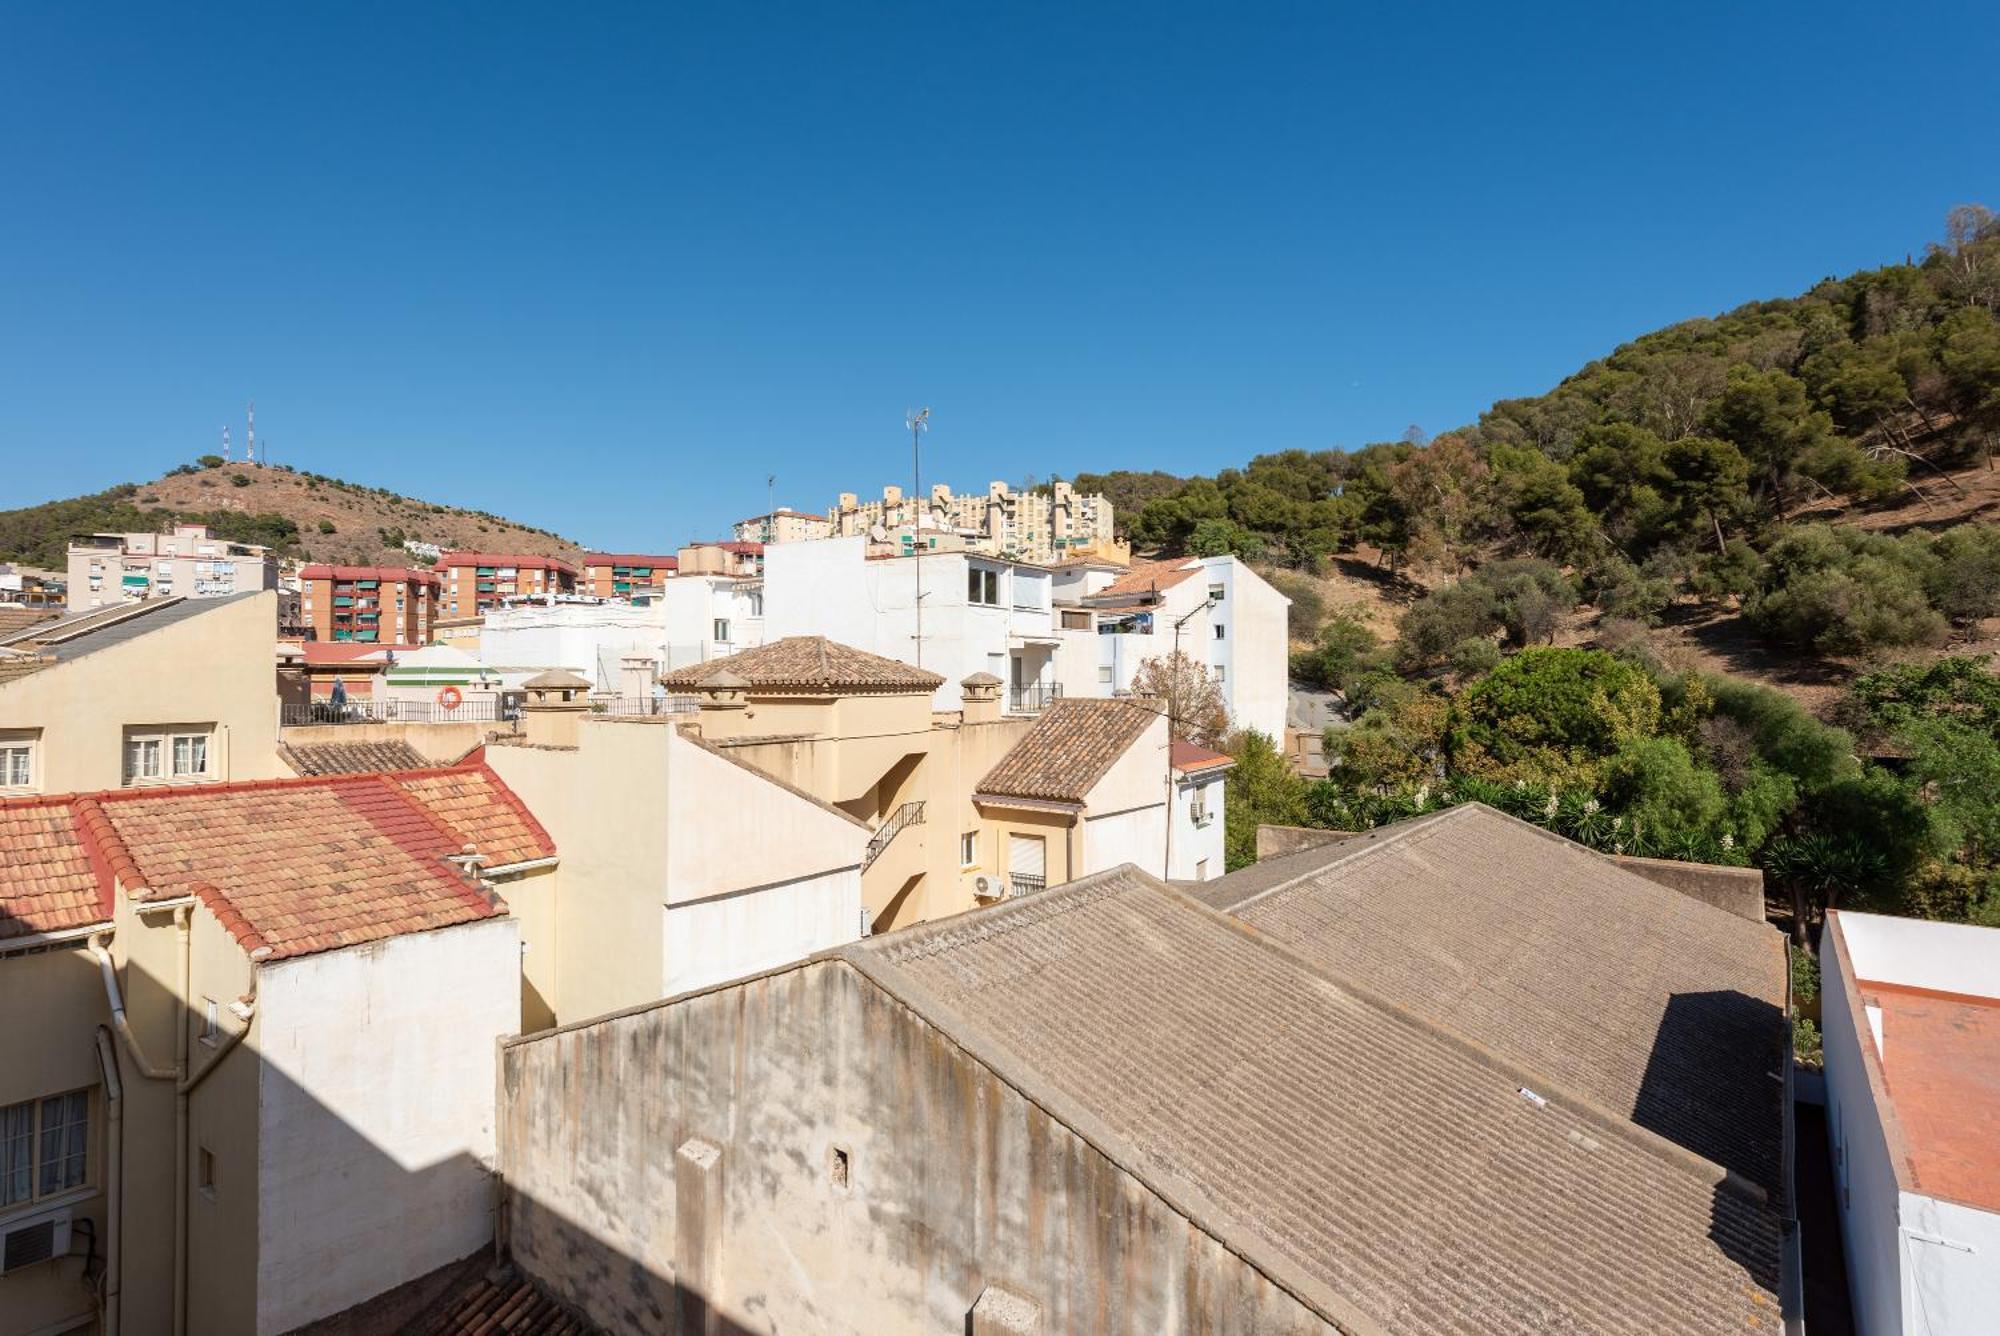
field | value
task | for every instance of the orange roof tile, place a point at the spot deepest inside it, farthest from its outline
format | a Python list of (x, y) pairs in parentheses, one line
[(288, 866), (46, 881), (1940, 1058), (1148, 577), (1190, 758)]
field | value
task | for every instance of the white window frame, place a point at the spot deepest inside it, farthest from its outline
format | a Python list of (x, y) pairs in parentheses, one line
[(982, 587), (20, 762), (968, 849), (38, 1113), (168, 743), (1198, 811)]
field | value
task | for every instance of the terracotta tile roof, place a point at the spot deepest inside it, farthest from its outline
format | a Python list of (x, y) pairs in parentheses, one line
[(287, 866), (660, 562), (511, 1304), (556, 679), (1147, 577), (1660, 1008), (1070, 748), (474, 801), (518, 560), (1191, 759), (393, 574), (47, 883), (1389, 1174), (13, 618), (351, 758), (808, 662)]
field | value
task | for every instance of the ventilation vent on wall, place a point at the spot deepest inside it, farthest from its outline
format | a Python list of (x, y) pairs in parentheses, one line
[(35, 1241)]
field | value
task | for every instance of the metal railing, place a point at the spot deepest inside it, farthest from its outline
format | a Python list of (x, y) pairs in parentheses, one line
[(644, 706), (909, 814), (1032, 700), (368, 710), (1020, 885)]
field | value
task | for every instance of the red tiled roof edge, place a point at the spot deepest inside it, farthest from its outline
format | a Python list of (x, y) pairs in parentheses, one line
[(464, 883), (105, 848), (469, 766), (230, 918)]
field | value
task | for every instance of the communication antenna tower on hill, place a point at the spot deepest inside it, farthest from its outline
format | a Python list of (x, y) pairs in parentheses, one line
[(225, 442), (250, 447)]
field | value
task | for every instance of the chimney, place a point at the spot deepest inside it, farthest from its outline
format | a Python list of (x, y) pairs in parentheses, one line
[(982, 698), (635, 675)]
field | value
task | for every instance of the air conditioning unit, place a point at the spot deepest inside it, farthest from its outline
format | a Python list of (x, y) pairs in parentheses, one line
[(32, 1241), (988, 886)]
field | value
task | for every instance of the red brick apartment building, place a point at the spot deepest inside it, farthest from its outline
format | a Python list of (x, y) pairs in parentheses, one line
[(390, 605), (476, 581), (623, 574)]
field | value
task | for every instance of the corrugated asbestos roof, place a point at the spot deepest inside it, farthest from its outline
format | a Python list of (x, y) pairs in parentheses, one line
[(1072, 745), (1661, 1008), (809, 662), (101, 628), (1391, 1175)]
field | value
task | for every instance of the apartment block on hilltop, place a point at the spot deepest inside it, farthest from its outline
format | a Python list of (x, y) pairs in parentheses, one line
[(625, 574), (106, 569), (1032, 526), (370, 604), (163, 692), (476, 581), (735, 558), (1910, 1011), (1108, 1107), (248, 1077), (783, 526)]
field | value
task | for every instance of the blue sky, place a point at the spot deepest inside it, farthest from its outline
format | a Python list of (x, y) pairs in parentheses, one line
[(602, 269)]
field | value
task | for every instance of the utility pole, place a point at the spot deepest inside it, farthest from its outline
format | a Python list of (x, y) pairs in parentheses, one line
[(918, 421), (1174, 690), (770, 507)]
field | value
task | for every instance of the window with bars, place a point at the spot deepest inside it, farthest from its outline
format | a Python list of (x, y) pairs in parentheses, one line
[(44, 1147)]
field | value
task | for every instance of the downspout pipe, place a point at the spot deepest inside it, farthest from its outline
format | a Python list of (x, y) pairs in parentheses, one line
[(114, 1179)]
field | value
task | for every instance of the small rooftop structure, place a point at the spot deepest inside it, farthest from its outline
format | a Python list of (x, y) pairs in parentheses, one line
[(351, 758), (806, 663)]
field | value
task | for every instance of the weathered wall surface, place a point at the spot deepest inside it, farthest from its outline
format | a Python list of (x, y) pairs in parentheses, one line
[(376, 1122), (953, 1181), (1739, 890)]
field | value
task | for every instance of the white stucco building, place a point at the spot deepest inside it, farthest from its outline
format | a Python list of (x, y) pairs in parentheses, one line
[(691, 619), (1911, 1017)]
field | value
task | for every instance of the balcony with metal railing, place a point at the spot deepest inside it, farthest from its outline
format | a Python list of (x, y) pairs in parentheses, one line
[(1032, 699), (381, 710)]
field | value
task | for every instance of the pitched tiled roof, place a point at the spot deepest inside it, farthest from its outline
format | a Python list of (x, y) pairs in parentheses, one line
[(393, 574), (1070, 748), (1147, 577), (518, 560), (1388, 1174), (556, 679), (1191, 759), (1660, 1008), (351, 758), (46, 880), (474, 801), (13, 618), (288, 866), (807, 662)]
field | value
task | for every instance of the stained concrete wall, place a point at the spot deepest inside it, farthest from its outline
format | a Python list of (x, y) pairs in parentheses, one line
[(1738, 890), (872, 1178)]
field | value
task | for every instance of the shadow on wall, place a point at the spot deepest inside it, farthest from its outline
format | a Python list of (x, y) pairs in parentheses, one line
[(1714, 1085)]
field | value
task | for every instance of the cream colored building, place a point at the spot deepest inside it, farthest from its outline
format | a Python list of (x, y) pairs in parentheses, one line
[(107, 569), (1028, 526), (247, 1079), (164, 692), (783, 526)]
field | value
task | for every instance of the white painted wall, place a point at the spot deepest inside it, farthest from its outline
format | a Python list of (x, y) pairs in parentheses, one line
[(1195, 845), (733, 934), (375, 1117), (1254, 650), (1137, 836), (1916, 1264), (581, 637), (1950, 957)]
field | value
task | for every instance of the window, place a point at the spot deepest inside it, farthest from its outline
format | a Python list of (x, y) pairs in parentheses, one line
[(1216, 671), (142, 759), (1104, 673), (17, 762), (168, 752), (1218, 630), (1198, 805), (205, 1172), (211, 1021), (44, 1147), (968, 849), (982, 587), (722, 630), (1215, 592)]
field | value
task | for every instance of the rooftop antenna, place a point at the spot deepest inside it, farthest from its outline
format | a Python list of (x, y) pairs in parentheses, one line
[(225, 442), (250, 446), (918, 420), (770, 507)]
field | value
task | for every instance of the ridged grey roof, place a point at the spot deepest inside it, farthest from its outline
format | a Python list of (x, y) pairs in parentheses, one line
[(1660, 1008), (101, 628), (1388, 1173)]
